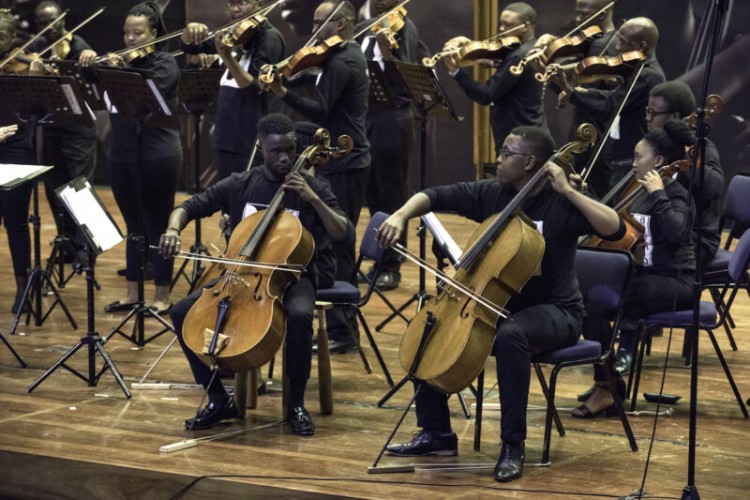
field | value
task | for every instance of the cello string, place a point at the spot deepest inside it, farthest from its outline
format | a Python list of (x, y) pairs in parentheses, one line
[(499, 311)]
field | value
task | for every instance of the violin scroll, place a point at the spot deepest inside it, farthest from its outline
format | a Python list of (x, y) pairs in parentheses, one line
[(390, 25), (586, 133)]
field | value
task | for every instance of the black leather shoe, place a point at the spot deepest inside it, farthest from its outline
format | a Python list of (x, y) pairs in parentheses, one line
[(426, 443), (623, 362), (212, 414), (341, 345), (388, 280), (300, 421), (510, 464)]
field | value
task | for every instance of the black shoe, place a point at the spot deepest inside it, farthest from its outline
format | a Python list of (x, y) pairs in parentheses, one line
[(388, 280), (623, 362), (300, 421), (510, 464), (212, 415), (341, 345), (586, 395), (426, 443)]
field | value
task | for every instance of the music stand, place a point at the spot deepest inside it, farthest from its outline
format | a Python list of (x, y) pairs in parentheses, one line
[(381, 96), (101, 233), (39, 101), (138, 100), (198, 91)]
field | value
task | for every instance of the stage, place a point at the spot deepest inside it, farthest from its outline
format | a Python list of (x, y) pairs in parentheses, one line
[(69, 440)]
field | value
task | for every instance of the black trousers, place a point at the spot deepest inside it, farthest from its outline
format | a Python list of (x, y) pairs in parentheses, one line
[(299, 302), (72, 152), (533, 330), (146, 213), (14, 212), (391, 135)]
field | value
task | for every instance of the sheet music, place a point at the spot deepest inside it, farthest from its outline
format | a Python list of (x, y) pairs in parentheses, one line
[(445, 240), (10, 173), (86, 208)]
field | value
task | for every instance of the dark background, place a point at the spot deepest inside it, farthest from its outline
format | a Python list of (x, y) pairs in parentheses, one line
[(450, 149)]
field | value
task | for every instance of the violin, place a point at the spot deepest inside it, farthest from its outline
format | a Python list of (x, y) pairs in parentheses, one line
[(595, 68), (242, 32), (305, 59), (240, 323), (390, 25), (453, 334), (481, 52), (27, 65), (563, 48)]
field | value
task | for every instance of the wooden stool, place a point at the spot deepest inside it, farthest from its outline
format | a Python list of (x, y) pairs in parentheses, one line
[(246, 383)]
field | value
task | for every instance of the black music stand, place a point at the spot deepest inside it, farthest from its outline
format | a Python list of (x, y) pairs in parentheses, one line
[(429, 99), (138, 100), (198, 91), (39, 101), (101, 233)]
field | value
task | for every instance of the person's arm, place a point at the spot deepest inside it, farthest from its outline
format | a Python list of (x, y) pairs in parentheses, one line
[(393, 227), (669, 214), (602, 218), (169, 243), (336, 224)]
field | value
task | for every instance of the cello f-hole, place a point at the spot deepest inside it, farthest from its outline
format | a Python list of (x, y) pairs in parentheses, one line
[(257, 296)]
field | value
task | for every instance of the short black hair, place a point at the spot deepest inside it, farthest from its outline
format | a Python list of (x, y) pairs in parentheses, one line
[(526, 11), (347, 10), (671, 140), (274, 124), (151, 11), (679, 97), (541, 142)]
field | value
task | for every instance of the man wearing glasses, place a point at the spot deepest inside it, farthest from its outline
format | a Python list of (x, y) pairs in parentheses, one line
[(240, 104), (545, 315)]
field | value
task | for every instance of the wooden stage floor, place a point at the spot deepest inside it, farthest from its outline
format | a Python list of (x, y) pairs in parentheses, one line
[(69, 440)]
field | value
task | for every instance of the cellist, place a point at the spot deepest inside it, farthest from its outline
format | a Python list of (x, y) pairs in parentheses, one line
[(546, 315), (242, 194)]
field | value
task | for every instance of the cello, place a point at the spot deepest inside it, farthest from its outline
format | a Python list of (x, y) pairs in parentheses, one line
[(450, 339), (240, 322)]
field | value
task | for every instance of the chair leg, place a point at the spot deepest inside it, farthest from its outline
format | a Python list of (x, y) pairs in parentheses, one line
[(635, 373), (478, 418), (612, 379), (728, 373), (547, 395), (374, 347), (325, 389)]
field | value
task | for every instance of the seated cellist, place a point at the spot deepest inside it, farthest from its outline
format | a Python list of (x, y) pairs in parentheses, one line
[(239, 195), (546, 314)]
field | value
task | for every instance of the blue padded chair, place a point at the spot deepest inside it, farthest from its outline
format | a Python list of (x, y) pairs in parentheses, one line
[(709, 319), (603, 276), (344, 294)]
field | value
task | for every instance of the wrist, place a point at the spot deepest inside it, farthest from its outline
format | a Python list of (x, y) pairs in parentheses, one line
[(173, 229)]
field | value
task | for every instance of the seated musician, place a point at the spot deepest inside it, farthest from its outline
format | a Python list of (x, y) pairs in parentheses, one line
[(546, 315), (666, 270), (319, 213)]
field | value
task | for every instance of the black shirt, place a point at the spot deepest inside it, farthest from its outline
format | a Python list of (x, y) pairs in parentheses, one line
[(157, 142), (232, 194), (557, 219), (340, 104), (513, 100)]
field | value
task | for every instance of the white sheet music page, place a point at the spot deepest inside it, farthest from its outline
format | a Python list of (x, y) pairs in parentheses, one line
[(10, 172), (445, 240), (85, 207)]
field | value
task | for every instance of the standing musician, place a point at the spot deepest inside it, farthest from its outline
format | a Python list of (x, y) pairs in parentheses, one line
[(675, 100), (239, 195), (71, 150), (513, 100), (144, 182), (16, 148), (664, 277), (239, 104), (339, 104), (546, 315), (637, 34), (390, 131)]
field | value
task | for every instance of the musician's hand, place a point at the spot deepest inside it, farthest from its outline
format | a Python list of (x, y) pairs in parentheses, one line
[(194, 33), (169, 243), (456, 42), (295, 182), (390, 231), (8, 131), (652, 181), (577, 182), (275, 85), (87, 58), (224, 50), (224, 224), (544, 40), (556, 177), (451, 62)]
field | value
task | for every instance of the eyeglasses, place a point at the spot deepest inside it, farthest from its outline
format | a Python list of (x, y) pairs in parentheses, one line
[(653, 112), (505, 152)]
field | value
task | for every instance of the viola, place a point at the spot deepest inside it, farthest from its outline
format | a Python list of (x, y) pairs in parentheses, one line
[(596, 68), (305, 59), (453, 333), (242, 32), (239, 323), (390, 25)]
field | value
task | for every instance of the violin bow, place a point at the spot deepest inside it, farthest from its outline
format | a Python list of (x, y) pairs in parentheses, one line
[(34, 38), (71, 31), (587, 170)]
